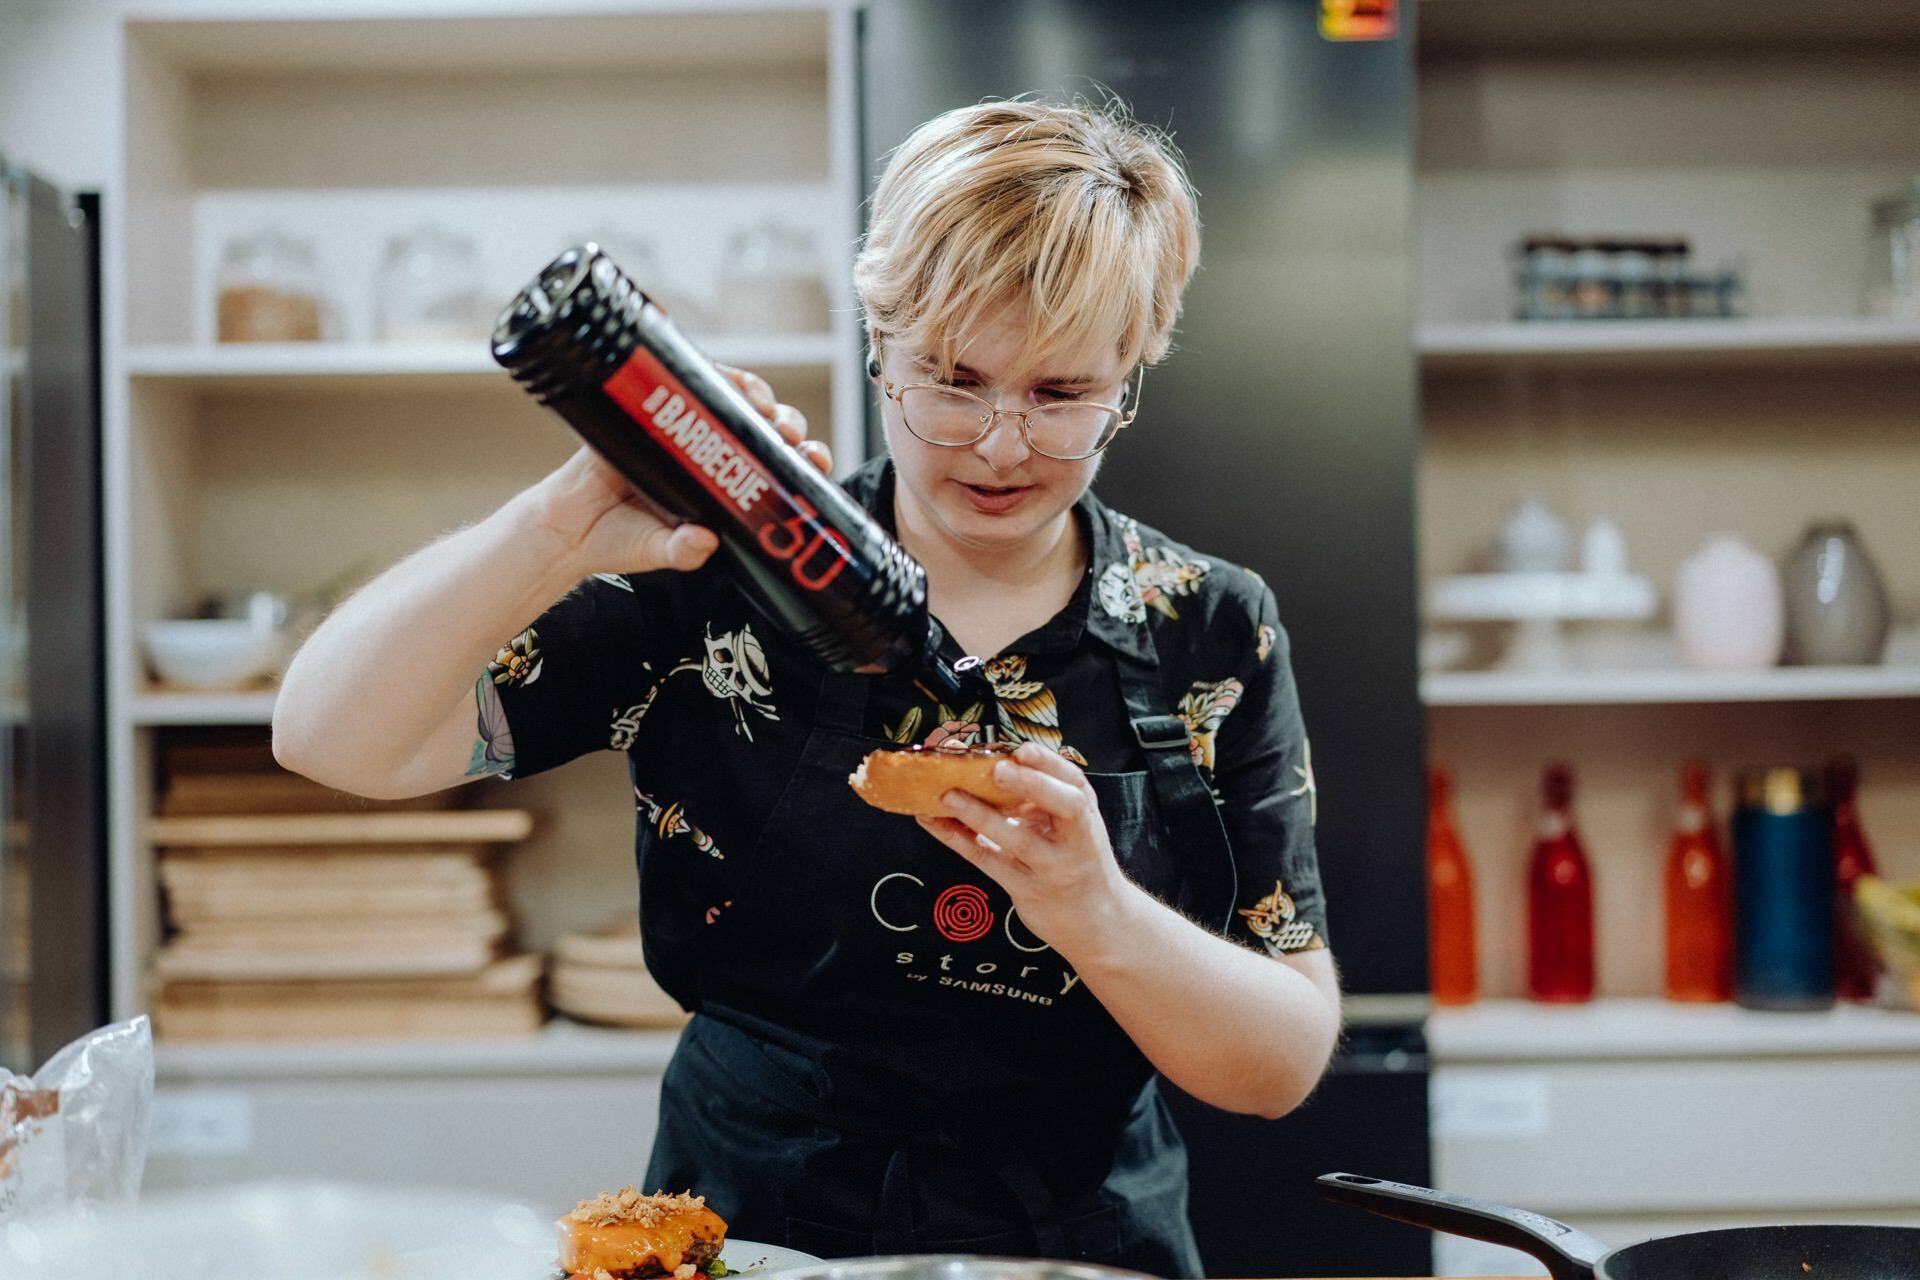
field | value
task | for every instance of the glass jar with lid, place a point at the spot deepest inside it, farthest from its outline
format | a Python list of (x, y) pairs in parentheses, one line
[(1893, 263), (771, 282), (634, 252), (269, 290), (430, 289)]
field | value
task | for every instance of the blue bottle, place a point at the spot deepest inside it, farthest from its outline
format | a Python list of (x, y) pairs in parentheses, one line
[(1783, 890)]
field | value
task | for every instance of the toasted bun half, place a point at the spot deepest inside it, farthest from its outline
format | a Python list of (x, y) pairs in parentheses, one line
[(912, 782)]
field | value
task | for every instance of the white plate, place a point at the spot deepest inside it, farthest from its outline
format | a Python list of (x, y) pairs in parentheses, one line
[(747, 1255)]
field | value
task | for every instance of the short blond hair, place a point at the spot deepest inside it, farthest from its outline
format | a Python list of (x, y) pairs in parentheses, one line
[(1082, 209)]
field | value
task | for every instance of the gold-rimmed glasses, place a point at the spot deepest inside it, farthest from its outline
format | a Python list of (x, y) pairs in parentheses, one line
[(1067, 431)]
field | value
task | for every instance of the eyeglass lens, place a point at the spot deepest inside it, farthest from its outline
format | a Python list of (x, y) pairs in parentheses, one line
[(941, 416)]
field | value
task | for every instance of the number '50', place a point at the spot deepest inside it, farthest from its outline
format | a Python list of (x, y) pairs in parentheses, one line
[(789, 540)]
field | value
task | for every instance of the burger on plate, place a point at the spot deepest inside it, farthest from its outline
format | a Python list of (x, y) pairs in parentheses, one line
[(623, 1235)]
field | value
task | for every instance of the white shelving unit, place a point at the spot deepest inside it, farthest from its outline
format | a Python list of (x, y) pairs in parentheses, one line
[(1721, 122), (1716, 123), (524, 126)]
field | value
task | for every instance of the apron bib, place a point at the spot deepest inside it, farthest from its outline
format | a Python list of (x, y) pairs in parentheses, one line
[(906, 1096)]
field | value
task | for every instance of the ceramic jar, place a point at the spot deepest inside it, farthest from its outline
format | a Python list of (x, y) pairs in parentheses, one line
[(1727, 608), (1836, 602)]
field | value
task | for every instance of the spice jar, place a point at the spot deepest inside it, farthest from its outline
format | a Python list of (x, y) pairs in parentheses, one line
[(1893, 265), (269, 290), (1546, 278)]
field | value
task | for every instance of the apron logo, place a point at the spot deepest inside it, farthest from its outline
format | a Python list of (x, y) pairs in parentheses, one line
[(961, 914)]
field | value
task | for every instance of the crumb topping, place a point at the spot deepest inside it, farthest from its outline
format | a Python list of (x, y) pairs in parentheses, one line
[(628, 1205)]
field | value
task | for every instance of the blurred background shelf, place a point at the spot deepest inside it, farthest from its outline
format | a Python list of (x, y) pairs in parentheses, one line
[(560, 1047), (1831, 339), (1512, 1030), (346, 366), (156, 705), (1493, 1030), (1599, 688)]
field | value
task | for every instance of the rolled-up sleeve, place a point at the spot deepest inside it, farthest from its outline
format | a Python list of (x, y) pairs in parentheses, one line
[(580, 678), (1263, 774)]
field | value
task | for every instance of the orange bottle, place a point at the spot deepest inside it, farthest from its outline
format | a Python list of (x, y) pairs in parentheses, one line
[(1699, 900), (1452, 958)]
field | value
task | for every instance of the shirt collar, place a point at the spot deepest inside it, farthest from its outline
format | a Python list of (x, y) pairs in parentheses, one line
[(1106, 603)]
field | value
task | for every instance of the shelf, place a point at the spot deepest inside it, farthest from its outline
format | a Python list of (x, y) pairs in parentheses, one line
[(559, 1048), (1567, 688), (1842, 338), (154, 706), (339, 366), (764, 35), (1508, 1030), (399, 827)]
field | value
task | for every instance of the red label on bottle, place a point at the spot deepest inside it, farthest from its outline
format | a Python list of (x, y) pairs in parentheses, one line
[(789, 528)]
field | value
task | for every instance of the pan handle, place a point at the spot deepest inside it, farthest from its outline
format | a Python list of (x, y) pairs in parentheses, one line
[(1567, 1253)]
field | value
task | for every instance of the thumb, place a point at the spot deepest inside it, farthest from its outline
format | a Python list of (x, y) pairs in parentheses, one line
[(684, 547)]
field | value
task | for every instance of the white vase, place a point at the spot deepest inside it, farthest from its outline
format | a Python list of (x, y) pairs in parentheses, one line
[(1727, 611)]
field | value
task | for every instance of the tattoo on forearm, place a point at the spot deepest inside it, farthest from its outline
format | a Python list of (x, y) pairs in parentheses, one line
[(493, 753)]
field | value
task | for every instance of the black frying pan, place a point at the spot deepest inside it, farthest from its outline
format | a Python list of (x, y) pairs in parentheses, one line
[(1736, 1253)]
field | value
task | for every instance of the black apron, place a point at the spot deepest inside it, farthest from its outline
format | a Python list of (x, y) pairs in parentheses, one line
[(871, 1115)]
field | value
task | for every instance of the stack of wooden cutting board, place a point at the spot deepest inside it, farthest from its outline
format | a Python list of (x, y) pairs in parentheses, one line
[(292, 914)]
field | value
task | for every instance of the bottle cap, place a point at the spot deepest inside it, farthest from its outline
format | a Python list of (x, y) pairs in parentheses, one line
[(1782, 789), (1693, 782), (1559, 786)]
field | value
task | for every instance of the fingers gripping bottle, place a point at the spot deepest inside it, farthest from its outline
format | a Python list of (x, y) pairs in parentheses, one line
[(589, 345)]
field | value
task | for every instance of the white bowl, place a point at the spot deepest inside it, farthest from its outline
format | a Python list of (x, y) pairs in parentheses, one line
[(213, 653)]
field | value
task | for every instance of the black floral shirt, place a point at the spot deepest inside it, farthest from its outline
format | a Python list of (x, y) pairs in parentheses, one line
[(679, 671)]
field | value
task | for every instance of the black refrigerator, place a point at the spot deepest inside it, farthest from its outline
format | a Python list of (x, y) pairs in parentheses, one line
[(1280, 434), (53, 940)]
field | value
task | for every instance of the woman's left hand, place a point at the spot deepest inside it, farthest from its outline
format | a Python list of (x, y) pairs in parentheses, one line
[(1049, 852)]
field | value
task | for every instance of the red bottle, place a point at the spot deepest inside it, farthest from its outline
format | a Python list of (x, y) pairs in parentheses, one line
[(1559, 901), (1855, 968), (1452, 957), (1699, 900)]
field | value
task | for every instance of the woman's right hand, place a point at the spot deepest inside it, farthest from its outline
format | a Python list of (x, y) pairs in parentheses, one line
[(609, 527)]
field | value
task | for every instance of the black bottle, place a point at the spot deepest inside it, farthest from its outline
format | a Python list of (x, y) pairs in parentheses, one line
[(597, 351)]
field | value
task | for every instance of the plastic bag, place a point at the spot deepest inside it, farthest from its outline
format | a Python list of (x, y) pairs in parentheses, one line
[(73, 1136)]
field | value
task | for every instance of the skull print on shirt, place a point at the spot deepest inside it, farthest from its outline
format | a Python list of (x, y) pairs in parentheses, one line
[(734, 669)]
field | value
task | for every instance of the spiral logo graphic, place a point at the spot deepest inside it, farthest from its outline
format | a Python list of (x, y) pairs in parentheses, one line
[(961, 914)]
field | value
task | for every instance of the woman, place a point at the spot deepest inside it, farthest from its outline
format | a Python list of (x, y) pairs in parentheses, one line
[(942, 1036)]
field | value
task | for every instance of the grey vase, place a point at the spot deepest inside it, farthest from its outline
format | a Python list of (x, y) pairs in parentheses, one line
[(1836, 602)]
